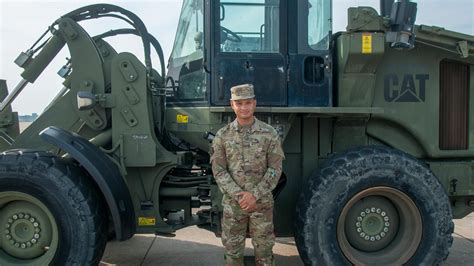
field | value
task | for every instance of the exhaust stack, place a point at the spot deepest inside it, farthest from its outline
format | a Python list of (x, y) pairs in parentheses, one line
[(386, 7)]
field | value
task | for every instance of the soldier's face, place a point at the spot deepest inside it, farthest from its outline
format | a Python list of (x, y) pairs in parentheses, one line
[(244, 109)]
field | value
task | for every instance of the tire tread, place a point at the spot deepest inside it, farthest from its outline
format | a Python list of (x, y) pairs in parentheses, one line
[(348, 163), (74, 180)]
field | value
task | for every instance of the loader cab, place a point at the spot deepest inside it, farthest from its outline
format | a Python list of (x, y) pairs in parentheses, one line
[(280, 46)]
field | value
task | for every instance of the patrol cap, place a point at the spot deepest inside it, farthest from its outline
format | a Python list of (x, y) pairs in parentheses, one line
[(242, 92)]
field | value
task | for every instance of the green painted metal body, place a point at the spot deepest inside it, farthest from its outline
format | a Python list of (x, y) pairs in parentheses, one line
[(365, 111), (125, 122)]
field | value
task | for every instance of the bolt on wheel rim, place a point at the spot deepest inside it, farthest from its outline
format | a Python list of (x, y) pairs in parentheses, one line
[(24, 231), (379, 225), (371, 224), (29, 232)]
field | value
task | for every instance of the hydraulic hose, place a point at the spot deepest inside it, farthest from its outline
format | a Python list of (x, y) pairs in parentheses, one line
[(95, 11), (153, 40), (42, 60)]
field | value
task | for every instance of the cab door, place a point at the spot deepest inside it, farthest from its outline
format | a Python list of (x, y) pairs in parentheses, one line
[(248, 47), (310, 53)]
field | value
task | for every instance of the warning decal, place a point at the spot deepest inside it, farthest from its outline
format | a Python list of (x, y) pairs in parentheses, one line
[(143, 221), (366, 43), (182, 119)]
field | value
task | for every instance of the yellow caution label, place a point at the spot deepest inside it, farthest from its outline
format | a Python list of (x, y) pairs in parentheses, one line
[(144, 221), (366, 43), (182, 119)]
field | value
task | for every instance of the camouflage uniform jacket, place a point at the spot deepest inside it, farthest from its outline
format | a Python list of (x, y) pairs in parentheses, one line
[(247, 159)]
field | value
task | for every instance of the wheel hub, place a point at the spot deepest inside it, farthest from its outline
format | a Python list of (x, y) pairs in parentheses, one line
[(379, 225), (373, 224), (22, 230), (26, 230)]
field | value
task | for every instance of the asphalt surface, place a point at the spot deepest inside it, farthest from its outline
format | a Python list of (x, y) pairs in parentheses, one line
[(195, 246)]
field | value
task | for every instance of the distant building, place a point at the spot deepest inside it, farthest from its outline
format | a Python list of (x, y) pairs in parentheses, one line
[(28, 118)]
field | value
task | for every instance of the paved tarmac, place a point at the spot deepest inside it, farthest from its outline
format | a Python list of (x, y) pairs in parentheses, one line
[(195, 246)]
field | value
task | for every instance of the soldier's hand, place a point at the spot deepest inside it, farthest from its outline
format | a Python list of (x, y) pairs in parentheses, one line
[(247, 201)]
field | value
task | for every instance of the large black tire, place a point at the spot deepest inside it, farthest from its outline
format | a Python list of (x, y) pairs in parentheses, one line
[(50, 210), (373, 205)]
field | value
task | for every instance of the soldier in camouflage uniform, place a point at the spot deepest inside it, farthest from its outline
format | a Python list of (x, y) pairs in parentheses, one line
[(246, 158)]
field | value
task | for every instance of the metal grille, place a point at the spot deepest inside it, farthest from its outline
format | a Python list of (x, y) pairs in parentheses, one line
[(453, 105)]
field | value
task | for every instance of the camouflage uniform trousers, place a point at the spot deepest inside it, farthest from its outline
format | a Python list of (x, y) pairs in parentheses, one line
[(234, 230)]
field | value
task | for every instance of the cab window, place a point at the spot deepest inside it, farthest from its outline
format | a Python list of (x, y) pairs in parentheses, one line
[(186, 63), (190, 29), (249, 26), (319, 24)]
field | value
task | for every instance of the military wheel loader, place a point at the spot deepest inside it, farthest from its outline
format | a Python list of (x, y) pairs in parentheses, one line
[(374, 122)]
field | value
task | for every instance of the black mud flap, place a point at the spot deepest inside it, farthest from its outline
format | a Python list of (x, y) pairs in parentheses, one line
[(105, 174)]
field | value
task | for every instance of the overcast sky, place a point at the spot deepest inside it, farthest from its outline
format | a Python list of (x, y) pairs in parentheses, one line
[(22, 22)]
